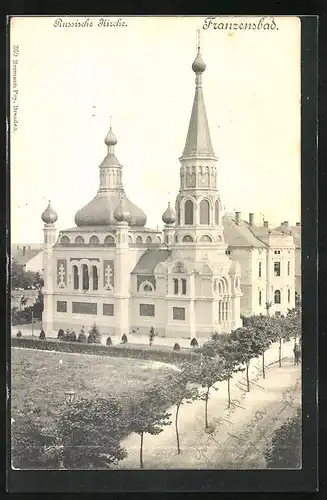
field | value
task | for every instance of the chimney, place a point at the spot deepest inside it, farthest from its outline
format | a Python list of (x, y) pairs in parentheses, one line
[(285, 223), (298, 224), (251, 219), (237, 217), (24, 251), (265, 223)]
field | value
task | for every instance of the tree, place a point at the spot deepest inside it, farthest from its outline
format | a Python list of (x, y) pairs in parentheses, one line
[(177, 390), (38, 305), (230, 353), (124, 339), (206, 371), (91, 430), (243, 348), (265, 334), (94, 335), (284, 450), (293, 322), (147, 416), (31, 435)]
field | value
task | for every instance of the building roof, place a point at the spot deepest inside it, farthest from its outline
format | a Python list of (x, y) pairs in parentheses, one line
[(240, 235), (29, 254), (106, 229), (150, 259), (295, 231)]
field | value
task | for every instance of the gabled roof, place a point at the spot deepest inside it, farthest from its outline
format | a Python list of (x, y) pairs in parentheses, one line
[(240, 235), (150, 259), (295, 231), (29, 254)]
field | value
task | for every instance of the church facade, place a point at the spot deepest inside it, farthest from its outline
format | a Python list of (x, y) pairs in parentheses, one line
[(194, 277)]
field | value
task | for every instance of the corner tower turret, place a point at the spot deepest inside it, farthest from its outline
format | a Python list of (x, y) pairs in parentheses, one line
[(198, 205)]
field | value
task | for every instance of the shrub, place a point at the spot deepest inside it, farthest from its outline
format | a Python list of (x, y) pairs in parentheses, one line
[(176, 347), (70, 336), (284, 450), (124, 339), (42, 334), (108, 341), (19, 334), (82, 337), (61, 334), (194, 342), (94, 335)]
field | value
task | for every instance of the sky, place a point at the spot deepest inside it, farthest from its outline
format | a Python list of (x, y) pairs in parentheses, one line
[(70, 80)]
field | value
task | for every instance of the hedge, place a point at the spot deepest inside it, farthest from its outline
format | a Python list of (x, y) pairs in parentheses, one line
[(165, 353)]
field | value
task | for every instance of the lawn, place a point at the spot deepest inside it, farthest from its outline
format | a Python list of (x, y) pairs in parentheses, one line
[(40, 379)]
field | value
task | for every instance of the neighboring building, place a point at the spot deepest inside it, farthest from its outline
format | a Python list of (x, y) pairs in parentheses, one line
[(296, 233), (196, 276), (267, 264), (29, 256), (115, 271)]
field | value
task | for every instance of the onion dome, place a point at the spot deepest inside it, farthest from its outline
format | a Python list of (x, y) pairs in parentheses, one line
[(169, 216), (121, 213), (110, 139), (100, 211), (49, 216), (199, 65)]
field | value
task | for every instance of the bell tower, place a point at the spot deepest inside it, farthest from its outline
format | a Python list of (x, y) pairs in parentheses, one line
[(198, 205)]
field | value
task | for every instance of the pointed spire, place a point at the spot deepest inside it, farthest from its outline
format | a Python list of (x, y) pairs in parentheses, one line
[(198, 140)]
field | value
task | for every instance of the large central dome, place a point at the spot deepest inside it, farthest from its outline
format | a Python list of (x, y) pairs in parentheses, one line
[(100, 211)]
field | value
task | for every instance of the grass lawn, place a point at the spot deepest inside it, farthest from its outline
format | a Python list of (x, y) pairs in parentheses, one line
[(40, 379)]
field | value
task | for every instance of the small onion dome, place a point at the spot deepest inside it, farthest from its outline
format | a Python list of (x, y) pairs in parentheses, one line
[(49, 216), (121, 213), (199, 65), (110, 139), (169, 216)]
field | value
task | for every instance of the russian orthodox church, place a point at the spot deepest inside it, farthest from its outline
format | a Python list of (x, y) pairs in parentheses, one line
[(185, 280), (113, 270)]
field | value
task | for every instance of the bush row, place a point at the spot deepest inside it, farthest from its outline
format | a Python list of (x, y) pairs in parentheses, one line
[(163, 353)]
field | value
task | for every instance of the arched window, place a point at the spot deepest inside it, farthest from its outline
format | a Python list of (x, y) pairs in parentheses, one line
[(109, 240), (94, 240), (65, 240), (95, 278), (277, 296), (139, 240), (217, 212), (206, 238), (178, 213), (130, 239), (183, 280), (85, 274), (158, 239), (187, 239), (188, 212), (75, 278), (204, 212), (289, 295), (148, 239), (79, 240), (220, 288), (147, 288), (176, 238), (175, 286)]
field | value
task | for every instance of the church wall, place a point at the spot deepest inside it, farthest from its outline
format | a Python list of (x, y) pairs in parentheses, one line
[(152, 305)]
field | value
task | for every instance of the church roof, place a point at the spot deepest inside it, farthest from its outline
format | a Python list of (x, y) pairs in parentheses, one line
[(150, 259), (198, 140), (240, 235)]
